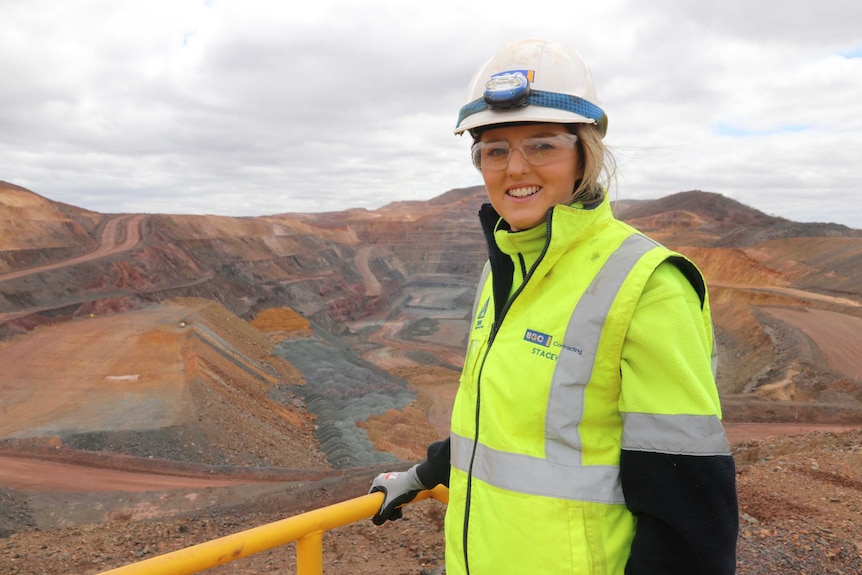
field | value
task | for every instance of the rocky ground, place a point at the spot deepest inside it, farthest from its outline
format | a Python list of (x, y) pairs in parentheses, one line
[(800, 502)]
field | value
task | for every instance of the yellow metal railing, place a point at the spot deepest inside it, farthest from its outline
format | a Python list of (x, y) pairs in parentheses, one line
[(306, 529)]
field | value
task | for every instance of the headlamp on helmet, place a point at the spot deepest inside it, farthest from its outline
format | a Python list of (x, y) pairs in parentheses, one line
[(507, 90)]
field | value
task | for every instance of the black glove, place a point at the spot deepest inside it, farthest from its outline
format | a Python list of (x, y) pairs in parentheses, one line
[(400, 487)]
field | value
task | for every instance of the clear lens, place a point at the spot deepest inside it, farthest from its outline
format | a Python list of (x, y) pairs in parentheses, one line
[(494, 156), (505, 83)]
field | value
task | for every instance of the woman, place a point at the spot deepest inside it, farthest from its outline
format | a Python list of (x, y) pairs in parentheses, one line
[(586, 433)]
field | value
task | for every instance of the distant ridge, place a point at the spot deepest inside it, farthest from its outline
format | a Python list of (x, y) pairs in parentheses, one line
[(711, 219), (10, 192), (710, 206), (473, 194)]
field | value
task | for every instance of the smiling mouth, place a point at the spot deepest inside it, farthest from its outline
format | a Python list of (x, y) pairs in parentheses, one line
[(523, 192)]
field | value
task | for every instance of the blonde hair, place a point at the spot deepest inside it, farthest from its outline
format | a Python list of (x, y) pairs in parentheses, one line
[(600, 166)]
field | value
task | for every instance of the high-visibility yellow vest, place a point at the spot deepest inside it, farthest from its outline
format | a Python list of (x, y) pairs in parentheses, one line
[(536, 425)]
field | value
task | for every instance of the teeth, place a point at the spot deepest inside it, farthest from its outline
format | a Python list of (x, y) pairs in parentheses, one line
[(523, 192)]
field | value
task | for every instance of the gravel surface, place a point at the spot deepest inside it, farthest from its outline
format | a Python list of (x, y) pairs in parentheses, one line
[(801, 504)]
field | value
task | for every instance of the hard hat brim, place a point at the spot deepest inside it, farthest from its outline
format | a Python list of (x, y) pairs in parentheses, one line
[(488, 118)]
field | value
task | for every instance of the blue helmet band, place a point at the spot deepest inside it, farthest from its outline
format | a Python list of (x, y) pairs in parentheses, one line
[(565, 102)]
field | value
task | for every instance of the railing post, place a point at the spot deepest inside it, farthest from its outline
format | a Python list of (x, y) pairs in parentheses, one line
[(309, 554)]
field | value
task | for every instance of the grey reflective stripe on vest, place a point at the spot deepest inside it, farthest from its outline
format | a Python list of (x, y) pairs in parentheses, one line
[(485, 273), (574, 369), (561, 473), (536, 476), (679, 434)]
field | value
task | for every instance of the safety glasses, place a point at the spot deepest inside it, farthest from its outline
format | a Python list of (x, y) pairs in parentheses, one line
[(538, 151)]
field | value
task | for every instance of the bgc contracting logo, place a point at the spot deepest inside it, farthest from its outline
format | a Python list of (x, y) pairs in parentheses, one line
[(546, 341), (538, 338)]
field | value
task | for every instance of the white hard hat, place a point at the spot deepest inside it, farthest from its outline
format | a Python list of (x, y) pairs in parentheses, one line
[(532, 81)]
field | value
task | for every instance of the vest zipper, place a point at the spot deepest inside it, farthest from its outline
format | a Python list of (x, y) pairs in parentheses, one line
[(468, 495), (499, 317), (498, 320), (524, 271)]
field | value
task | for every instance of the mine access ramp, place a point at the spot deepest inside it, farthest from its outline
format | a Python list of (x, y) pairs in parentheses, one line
[(306, 529)]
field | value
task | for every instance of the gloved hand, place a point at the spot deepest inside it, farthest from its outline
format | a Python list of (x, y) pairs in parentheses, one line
[(400, 487)]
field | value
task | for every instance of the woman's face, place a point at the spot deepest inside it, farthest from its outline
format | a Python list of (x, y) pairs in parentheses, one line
[(522, 193)]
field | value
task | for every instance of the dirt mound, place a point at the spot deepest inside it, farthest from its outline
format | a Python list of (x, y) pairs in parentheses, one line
[(186, 380), (281, 322)]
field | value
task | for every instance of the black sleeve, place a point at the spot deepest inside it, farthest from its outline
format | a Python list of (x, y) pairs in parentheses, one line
[(687, 513), (435, 469)]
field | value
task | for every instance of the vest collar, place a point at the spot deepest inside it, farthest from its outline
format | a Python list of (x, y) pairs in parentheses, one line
[(578, 222), (565, 226)]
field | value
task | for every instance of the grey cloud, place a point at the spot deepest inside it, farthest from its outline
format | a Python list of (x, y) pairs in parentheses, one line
[(797, 22)]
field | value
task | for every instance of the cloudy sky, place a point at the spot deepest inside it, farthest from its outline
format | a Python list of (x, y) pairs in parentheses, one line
[(254, 107)]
